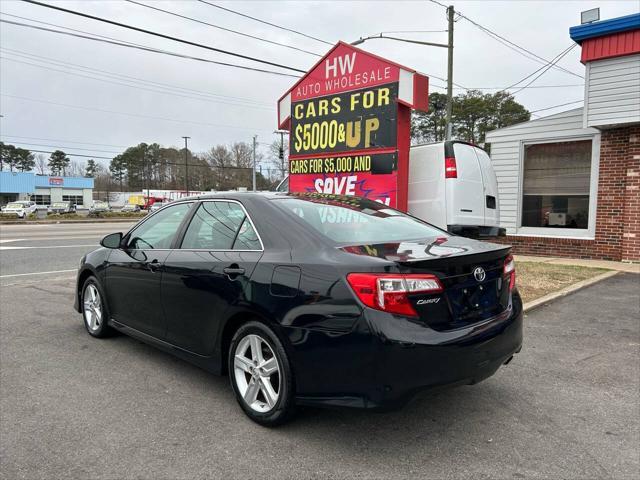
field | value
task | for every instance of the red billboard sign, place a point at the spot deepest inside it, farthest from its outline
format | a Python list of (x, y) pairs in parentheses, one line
[(56, 181), (349, 121)]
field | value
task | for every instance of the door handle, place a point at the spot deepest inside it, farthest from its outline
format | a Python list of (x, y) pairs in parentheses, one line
[(154, 265), (233, 270)]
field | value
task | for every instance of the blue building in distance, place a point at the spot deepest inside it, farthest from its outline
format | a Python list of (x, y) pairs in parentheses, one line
[(45, 189)]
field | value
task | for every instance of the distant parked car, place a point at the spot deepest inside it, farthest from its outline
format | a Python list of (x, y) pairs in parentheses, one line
[(99, 206), (21, 209), (157, 206), (131, 208), (62, 207)]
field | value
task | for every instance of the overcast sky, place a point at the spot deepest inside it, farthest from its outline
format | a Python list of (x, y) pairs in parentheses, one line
[(217, 104)]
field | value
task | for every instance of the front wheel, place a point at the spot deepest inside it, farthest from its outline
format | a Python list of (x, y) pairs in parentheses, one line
[(261, 375), (94, 309)]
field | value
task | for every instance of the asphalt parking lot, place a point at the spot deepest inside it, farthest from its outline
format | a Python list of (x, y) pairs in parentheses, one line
[(568, 406)]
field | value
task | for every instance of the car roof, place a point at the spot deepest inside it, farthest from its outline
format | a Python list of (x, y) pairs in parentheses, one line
[(233, 195)]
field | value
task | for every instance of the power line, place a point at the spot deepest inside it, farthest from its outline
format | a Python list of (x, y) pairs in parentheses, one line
[(544, 69), (129, 114), (128, 78), (150, 49), (61, 147), (414, 31), (200, 98), (532, 86), (74, 154), (555, 106), (64, 141), (181, 164), (508, 43), (162, 35), (264, 21), (224, 29)]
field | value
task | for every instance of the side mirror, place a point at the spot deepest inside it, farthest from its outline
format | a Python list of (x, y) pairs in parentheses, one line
[(113, 240)]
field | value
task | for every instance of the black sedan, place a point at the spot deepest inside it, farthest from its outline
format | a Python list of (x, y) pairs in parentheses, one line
[(307, 299)]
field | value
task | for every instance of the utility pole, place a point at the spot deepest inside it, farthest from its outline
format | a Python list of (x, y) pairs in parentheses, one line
[(450, 13), (255, 138), (186, 166)]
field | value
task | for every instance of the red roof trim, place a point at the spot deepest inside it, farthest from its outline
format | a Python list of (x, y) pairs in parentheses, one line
[(611, 46)]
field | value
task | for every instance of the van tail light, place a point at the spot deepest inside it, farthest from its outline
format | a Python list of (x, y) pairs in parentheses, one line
[(510, 271), (450, 167), (390, 292)]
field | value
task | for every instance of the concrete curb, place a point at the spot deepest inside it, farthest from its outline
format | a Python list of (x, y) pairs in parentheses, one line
[(89, 220), (538, 302)]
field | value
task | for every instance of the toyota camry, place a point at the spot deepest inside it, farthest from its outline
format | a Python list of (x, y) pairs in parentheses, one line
[(307, 299)]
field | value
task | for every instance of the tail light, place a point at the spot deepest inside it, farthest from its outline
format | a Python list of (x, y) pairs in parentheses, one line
[(390, 292), (510, 271), (450, 167)]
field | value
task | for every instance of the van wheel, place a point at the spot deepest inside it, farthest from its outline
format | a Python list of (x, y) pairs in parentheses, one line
[(261, 376)]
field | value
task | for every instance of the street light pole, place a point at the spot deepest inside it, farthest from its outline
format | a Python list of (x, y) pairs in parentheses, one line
[(450, 13), (255, 138), (186, 166)]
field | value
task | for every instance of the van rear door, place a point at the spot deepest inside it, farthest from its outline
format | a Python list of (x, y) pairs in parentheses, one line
[(465, 193), (491, 207)]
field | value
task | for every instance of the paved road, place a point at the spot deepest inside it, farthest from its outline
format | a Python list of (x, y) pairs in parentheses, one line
[(76, 407), (26, 251)]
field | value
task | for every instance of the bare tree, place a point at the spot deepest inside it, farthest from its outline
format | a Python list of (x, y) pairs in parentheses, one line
[(76, 168), (41, 163)]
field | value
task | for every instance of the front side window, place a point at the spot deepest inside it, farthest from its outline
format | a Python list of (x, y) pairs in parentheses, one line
[(220, 225), (159, 230), (556, 185)]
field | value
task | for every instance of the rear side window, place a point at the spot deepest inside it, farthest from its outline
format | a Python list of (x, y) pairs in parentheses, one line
[(357, 220), (220, 225)]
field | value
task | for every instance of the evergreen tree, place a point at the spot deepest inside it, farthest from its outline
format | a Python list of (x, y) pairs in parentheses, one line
[(24, 160), (58, 162), (91, 169)]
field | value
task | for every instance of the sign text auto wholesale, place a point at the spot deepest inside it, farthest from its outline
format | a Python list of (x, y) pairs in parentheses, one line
[(349, 126)]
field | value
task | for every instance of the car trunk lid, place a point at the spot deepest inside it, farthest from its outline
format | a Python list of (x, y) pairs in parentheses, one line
[(471, 273)]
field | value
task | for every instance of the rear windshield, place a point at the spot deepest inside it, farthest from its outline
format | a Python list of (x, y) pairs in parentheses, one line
[(356, 220)]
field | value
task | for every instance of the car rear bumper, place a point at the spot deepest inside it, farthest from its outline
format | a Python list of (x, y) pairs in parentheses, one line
[(409, 357)]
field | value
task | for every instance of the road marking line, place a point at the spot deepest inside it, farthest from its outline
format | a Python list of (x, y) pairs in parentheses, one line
[(8, 247), (14, 240), (38, 273)]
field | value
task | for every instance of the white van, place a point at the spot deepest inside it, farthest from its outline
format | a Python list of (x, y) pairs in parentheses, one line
[(451, 185)]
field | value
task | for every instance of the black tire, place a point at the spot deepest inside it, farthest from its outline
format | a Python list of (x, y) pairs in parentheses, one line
[(284, 407), (102, 329)]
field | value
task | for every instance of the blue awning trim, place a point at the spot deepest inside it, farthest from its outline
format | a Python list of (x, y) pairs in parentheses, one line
[(605, 27)]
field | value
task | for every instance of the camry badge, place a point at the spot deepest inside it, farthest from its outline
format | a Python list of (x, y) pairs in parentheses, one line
[(479, 274)]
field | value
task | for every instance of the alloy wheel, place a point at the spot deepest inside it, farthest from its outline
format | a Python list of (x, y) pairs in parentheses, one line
[(92, 307), (257, 373)]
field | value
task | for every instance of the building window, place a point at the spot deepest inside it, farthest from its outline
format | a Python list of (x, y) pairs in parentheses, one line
[(41, 199), (556, 184), (73, 199)]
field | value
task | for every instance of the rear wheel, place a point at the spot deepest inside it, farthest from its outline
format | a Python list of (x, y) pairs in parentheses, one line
[(261, 375), (94, 310)]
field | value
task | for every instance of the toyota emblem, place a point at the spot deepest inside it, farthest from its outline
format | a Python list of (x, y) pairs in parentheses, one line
[(479, 274)]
